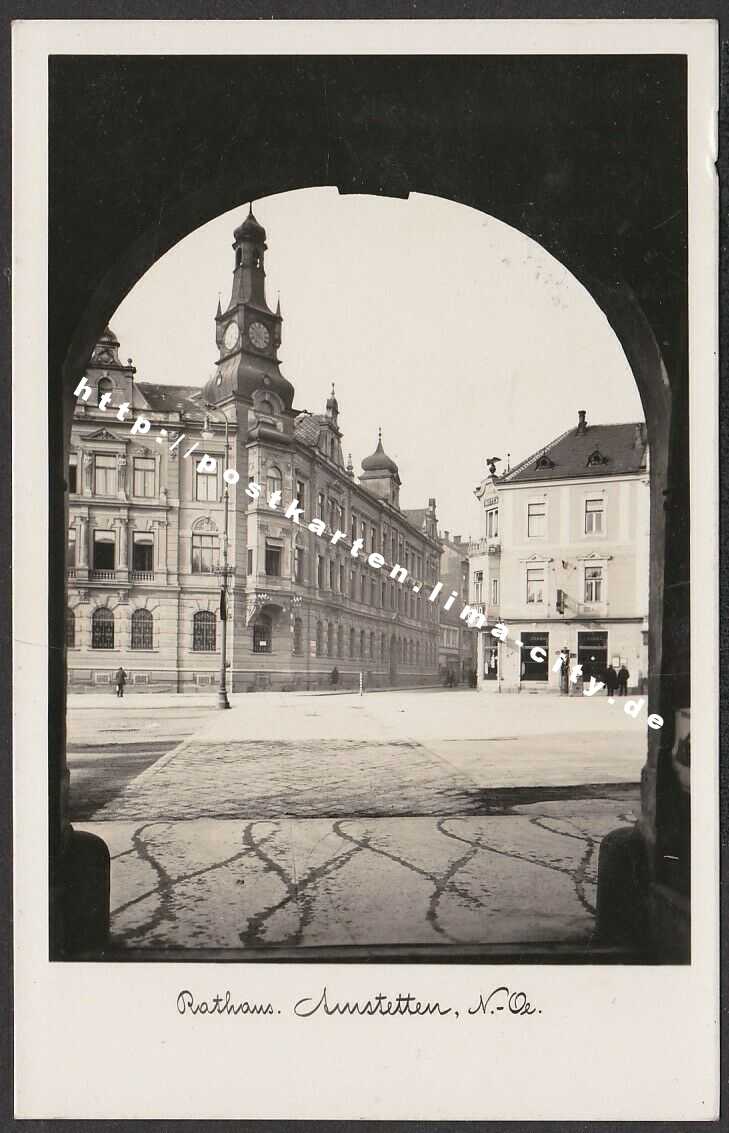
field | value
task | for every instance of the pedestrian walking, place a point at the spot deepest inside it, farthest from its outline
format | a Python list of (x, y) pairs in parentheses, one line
[(120, 678), (623, 678), (611, 680)]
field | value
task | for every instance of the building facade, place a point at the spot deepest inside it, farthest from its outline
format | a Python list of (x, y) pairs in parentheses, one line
[(147, 505), (457, 650), (563, 561)]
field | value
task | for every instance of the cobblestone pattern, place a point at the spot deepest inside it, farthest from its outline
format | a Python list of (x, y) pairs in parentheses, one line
[(305, 778)]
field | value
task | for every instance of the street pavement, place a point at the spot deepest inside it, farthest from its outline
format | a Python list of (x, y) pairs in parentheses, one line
[(297, 819)]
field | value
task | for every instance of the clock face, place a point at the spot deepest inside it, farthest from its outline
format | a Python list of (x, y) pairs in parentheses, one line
[(230, 337), (259, 335)]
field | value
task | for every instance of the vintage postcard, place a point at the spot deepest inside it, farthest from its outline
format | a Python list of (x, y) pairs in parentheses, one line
[(365, 553)]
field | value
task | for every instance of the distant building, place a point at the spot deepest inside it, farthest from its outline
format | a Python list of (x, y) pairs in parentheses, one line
[(457, 646), (563, 561), (147, 525)]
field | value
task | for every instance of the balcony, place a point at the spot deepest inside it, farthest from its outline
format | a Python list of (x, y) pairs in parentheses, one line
[(142, 576), (102, 575), (70, 572)]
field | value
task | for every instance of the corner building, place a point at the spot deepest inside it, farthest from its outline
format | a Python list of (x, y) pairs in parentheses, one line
[(563, 561), (147, 525)]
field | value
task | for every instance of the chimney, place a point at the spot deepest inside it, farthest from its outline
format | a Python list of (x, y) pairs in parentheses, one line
[(431, 503), (447, 536), (639, 435), (581, 422)]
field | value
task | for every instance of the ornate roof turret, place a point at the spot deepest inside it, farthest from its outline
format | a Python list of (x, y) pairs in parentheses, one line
[(379, 461), (250, 229), (332, 406)]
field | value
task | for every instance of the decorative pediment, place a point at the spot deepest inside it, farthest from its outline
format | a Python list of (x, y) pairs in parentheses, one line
[(596, 457), (595, 556), (205, 523), (104, 435), (536, 558)]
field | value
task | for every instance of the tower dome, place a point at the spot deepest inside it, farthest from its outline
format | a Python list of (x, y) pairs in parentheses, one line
[(332, 406), (250, 229), (379, 461)]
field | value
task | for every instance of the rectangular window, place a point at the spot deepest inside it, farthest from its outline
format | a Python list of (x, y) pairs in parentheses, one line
[(205, 553), (492, 523), (536, 520), (320, 572), (354, 527), (594, 517), (342, 579), (320, 507), (206, 483), (332, 573), (143, 552), (363, 535), (494, 591), (104, 550), (299, 564), (249, 564), (373, 537), (301, 493), (477, 585), (593, 584), (73, 475), (144, 476), (71, 549), (535, 584), (373, 597), (273, 560), (362, 591), (104, 475)]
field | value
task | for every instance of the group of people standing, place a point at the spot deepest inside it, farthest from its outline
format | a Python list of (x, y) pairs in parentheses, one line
[(617, 682)]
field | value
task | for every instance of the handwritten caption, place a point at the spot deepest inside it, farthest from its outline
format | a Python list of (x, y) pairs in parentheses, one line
[(500, 1000)]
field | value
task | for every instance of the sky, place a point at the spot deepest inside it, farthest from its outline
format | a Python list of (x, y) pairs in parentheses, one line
[(458, 335)]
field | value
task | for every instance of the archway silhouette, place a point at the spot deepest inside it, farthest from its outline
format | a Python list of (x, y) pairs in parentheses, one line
[(546, 199)]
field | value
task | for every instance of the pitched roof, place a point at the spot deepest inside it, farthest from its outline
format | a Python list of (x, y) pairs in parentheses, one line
[(171, 399), (599, 450), (416, 516)]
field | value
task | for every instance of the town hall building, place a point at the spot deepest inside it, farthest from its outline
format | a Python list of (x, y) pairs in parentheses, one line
[(147, 524)]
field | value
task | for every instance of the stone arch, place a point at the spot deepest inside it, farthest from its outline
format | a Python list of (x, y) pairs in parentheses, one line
[(551, 205)]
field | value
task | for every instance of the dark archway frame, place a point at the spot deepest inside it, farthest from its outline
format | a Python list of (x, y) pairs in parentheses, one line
[(586, 155)]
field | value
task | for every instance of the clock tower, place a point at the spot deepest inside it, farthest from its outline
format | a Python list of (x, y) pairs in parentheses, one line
[(248, 332)]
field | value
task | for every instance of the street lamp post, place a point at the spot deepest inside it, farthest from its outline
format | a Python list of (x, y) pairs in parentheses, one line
[(206, 434)]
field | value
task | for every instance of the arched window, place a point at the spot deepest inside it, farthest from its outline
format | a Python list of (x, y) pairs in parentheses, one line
[(263, 634), (141, 629), (203, 632), (102, 629), (330, 640), (319, 639), (104, 385), (265, 406), (340, 641), (298, 633), (70, 629), (274, 481)]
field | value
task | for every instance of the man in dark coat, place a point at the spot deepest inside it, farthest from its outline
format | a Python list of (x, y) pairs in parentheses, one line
[(623, 678), (120, 677), (611, 680)]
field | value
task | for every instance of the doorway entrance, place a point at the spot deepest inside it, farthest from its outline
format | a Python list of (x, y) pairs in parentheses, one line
[(592, 654)]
